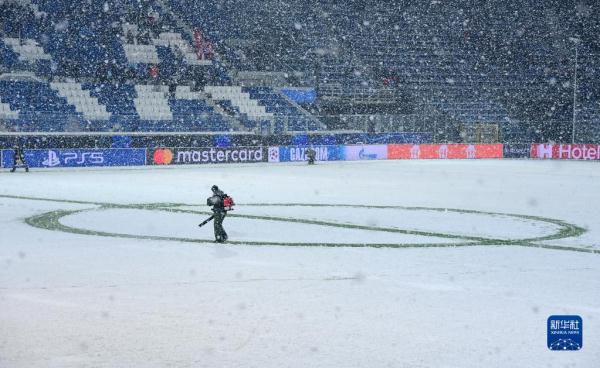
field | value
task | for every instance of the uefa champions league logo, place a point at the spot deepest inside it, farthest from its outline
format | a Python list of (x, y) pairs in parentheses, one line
[(273, 154)]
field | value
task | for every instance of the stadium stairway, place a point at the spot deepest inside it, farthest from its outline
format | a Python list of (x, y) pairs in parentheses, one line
[(145, 54), (240, 100), (83, 101), (27, 49), (7, 113), (152, 103)]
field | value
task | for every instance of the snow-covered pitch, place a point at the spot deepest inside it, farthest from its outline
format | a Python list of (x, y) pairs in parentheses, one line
[(350, 264)]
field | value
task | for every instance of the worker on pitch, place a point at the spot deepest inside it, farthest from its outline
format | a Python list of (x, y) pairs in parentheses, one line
[(221, 203)]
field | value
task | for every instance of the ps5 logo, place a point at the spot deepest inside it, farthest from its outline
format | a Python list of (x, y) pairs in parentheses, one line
[(73, 158), (52, 159), (85, 157)]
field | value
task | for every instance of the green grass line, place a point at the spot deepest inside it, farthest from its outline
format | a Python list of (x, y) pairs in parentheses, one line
[(566, 230), (340, 225), (51, 221), (51, 200)]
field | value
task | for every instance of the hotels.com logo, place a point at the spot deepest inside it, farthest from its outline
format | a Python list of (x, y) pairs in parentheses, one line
[(162, 156), (579, 152), (566, 151)]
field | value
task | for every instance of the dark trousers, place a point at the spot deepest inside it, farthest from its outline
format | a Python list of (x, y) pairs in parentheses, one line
[(19, 163), (220, 234)]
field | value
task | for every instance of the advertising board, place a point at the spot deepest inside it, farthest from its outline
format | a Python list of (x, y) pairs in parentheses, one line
[(566, 151), (79, 157), (444, 151), (298, 153), (366, 152), (212, 155)]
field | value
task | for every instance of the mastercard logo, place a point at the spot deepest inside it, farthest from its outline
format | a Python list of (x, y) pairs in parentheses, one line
[(163, 156)]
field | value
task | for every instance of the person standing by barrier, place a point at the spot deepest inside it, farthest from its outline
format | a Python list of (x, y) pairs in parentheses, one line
[(19, 159), (311, 155)]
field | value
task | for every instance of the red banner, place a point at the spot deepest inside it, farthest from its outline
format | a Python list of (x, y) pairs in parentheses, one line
[(444, 151), (566, 151)]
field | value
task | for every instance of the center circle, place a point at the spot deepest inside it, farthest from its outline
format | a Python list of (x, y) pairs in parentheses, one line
[(314, 224)]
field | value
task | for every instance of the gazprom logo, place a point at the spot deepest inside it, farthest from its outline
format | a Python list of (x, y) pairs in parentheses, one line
[(366, 156), (52, 159)]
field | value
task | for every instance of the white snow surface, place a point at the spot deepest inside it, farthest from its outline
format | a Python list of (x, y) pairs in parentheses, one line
[(74, 300)]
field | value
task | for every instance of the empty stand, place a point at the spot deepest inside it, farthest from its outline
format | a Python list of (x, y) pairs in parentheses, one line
[(285, 113), (194, 113), (176, 42), (40, 107)]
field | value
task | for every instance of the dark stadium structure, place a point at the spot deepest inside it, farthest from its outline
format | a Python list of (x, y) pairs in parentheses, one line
[(463, 71)]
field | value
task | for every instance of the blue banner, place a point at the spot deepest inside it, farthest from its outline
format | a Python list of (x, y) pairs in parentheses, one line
[(79, 157), (400, 138), (366, 138), (298, 153), (301, 96)]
